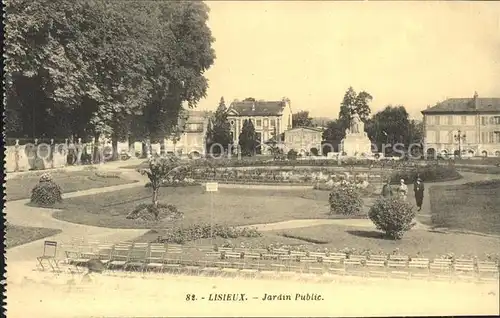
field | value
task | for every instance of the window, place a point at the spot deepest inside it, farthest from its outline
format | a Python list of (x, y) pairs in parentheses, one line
[(450, 120), (436, 120), (464, 120), (437, 137), (491, 138), (497, 120), (483, 121), (497, 137), (450, 137), (266, 122), (431, 136), (428, 120), (259, 122), (273, 122)]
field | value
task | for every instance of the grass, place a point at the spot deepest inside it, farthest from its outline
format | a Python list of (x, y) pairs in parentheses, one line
[(229, 206), (20, 187), (480, 169), (18, 235), (471, 207), (414, 242), (337, 237)]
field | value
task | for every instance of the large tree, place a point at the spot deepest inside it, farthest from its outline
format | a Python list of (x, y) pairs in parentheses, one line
[(390, 126), (248, 139), (332, 136), (301, 118), (89, 68), (219, 131)]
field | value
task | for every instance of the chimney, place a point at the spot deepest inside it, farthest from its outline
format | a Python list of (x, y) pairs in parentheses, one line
[(476, 102)]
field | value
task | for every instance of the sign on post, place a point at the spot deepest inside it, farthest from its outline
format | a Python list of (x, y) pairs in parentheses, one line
[(212, 187)]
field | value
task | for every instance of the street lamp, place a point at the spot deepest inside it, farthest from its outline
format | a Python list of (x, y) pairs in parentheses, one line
[(459, 137)]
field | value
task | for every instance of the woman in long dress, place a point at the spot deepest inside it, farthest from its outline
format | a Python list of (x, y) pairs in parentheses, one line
[(403, 189)]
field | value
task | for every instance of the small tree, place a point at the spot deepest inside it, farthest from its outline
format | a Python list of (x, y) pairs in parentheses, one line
[(160, 169), (248, 138), (393, 216)]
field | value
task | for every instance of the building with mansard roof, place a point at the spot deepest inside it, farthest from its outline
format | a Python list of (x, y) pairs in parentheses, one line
[(469, 124), (270, 119)]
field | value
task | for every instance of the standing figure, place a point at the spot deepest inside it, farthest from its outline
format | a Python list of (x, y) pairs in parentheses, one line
[(418, 188), (403, 189), (386, 189)]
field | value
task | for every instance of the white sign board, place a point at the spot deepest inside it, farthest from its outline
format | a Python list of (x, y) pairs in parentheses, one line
[(211, 186)]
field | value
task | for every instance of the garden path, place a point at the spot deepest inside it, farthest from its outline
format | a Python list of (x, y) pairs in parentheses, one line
[(18, 213)]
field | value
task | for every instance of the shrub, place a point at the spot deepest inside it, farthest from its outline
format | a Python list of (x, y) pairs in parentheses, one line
[(107, 174), (151, 212), (181, 235), (393, 216), (314, 151), (345, 199), (46, 192), (292, 155)]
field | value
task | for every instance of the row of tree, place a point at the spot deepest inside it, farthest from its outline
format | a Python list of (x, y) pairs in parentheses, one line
[(79, 68)]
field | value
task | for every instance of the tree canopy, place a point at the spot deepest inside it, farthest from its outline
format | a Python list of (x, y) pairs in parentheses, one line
[(219, 132), (86, 68), (301, 118), (248, 138)]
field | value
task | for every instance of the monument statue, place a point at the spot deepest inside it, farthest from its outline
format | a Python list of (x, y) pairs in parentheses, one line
[(356, 141)]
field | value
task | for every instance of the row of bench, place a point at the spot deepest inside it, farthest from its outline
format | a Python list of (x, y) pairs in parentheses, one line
[(278, 262)]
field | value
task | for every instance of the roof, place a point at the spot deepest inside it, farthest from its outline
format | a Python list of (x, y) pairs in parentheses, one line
[(465, 105), (257, 108), (316, 129)]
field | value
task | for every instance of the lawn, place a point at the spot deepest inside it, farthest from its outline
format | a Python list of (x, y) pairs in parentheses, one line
[(20, 187), (470, 207), (229, 206), (414, 242), (479, 169), (337, 237), (17, 235)]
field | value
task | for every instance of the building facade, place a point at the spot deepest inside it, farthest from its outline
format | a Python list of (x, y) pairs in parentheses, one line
[(270, 119), (302, 139), (469, 124), (192, 138)]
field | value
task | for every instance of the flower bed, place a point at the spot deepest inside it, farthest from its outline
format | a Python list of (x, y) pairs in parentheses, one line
[(182, 235), (287, 176), (234, 162)]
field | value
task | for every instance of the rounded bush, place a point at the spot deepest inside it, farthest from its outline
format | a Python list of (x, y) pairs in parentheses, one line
[(393, 216), (46, 193), (345, 199)]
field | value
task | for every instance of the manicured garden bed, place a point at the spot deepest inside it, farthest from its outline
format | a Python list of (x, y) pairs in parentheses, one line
[(470, 207), (20, 187), (228, 206), (16, 235)]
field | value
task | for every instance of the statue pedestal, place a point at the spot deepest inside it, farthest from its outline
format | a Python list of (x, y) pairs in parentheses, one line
[(357, 145)]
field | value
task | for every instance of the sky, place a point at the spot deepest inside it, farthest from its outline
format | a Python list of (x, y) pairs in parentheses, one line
[(403, 53)]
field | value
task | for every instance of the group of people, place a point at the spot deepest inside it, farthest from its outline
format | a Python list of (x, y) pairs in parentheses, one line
[(402, 190)]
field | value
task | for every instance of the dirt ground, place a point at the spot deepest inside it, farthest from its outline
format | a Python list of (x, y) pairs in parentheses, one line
[(41, 294)]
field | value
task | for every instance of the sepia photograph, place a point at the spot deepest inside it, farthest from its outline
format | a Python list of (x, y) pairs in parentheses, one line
[(251, 158)]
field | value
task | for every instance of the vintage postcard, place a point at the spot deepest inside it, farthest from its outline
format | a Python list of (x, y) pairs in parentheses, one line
[(251, 158)]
